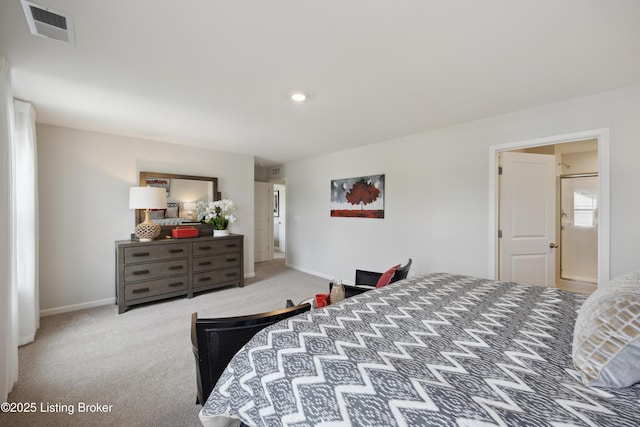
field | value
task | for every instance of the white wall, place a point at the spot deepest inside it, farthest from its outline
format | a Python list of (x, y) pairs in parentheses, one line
[(84, 180), (437, 192)]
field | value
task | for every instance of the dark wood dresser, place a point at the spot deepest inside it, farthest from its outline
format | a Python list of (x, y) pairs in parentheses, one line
[(161, 269)]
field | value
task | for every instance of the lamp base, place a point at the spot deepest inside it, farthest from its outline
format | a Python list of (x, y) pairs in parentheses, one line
[(147, 231)]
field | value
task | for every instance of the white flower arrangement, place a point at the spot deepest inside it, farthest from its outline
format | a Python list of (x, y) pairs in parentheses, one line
[(218, 213)]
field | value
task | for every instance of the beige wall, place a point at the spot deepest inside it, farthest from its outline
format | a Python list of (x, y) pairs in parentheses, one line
[(84, 180), (576, 163)]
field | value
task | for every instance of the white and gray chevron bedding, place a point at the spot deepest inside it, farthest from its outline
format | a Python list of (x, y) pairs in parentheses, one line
[(435, 350), (169, 221)]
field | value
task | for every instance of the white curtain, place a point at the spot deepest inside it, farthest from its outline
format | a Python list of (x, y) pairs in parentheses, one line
[(8, 290), (19, 288), (26, 223)]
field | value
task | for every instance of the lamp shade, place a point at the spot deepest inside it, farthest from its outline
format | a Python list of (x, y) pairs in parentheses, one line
[(147, 198), (189, 206)]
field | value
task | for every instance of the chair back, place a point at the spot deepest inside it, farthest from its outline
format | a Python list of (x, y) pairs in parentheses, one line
[(216, 340), (402, 272)]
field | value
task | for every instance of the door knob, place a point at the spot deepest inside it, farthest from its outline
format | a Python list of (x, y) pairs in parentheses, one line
[(553, 245)]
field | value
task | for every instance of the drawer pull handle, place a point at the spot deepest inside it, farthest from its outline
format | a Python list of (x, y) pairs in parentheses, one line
[(232, 259), (231, 245), (204, 248), (140, 272), (140, 254), (232, 274), (175, 284), (176, 267), (176, 251), (204, 279), (205, 263), (140, 291)]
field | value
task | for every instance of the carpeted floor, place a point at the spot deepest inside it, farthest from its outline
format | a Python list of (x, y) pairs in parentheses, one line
[(97, 368)]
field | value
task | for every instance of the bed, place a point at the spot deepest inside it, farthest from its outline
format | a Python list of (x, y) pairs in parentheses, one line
[(171, 215), (433, 350), (172, 221)]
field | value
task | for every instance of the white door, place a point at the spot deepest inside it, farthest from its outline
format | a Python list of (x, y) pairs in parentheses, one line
[(263, 221), (527, 218)]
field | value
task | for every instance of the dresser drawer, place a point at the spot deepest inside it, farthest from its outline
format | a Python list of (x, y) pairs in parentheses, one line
[(155, 252), (156, 287), (215, 261), (216, 277), (153, 270), (216, 247)]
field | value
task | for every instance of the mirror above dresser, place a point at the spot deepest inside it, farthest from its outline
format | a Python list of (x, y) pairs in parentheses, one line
[(183, 192)]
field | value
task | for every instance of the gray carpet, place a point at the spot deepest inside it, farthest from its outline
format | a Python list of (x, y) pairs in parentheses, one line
[(139, 364)]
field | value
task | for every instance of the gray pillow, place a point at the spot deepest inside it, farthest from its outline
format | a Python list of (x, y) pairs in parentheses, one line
[(156, 214), (171, 212)]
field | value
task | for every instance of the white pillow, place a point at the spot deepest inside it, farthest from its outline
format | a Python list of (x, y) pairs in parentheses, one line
[(606, 340), (629, 280)]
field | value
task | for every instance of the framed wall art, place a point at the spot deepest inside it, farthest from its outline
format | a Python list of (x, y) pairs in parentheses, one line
[(361, 197), (160, 183)]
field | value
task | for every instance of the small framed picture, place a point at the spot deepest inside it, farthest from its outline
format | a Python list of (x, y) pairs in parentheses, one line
[(160, 183)]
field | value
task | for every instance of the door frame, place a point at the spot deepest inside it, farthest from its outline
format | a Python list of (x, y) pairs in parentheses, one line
[(602, 135)]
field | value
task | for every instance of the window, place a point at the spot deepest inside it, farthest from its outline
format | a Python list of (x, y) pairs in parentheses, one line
[(585, 209)]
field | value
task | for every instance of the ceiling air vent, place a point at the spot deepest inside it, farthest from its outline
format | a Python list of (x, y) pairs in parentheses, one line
[(47, 22), (275, 172)]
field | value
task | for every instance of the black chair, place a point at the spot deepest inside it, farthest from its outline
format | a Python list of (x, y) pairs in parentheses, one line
[(367, 280), (216, 340)]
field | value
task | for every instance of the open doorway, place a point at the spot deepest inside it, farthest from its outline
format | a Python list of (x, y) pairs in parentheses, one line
[(578, 230), (279, 220), (578, 155), (548, 205), (263, 221)]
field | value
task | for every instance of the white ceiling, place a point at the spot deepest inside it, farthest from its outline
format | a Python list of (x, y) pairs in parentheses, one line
[(218, 74)]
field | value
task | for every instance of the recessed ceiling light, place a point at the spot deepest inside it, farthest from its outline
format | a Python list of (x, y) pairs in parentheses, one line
[(298, 96)]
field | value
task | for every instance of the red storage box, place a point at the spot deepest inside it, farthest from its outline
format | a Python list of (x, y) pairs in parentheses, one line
[(182, 232)]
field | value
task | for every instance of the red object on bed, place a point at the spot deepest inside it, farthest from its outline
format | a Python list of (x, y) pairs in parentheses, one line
[(182, 232), (386, 277)]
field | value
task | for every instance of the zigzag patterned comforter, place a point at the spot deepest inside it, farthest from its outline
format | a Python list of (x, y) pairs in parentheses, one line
[(436, 350)]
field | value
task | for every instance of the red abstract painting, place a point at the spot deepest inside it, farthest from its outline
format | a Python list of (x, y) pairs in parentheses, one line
[(361, 197)]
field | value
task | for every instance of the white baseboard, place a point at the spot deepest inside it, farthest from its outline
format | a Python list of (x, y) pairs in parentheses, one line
[(316, 273), (26, 340), (91, 304), (76, 307), (306, 270)]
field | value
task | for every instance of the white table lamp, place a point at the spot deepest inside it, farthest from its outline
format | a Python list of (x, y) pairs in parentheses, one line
[(147, 198), (190, 207)]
